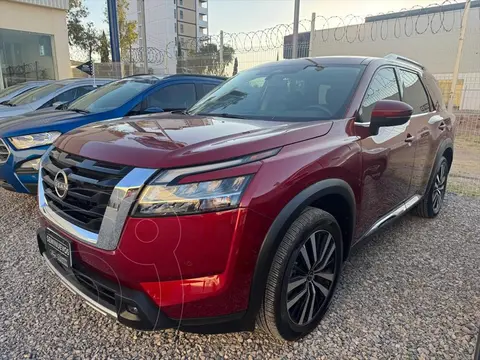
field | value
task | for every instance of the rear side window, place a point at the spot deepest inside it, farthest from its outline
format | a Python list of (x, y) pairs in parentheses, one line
[(384, 86), (204, 89), (173, 97), (414, 93)]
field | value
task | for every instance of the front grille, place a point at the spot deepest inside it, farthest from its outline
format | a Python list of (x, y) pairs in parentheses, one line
[(4, 152), (90, 185)]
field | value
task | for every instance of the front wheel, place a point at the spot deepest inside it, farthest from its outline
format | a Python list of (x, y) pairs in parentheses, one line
[(303, 276), (432, 202)]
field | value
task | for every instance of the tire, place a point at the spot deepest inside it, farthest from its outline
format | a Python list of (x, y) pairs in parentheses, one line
[(432, 202), (285, 313)]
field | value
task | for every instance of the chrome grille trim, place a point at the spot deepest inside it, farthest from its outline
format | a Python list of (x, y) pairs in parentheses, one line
[(118, 209)]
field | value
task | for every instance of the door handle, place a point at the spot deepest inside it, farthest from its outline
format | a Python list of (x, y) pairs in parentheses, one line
[(442, 126), (409, 138)]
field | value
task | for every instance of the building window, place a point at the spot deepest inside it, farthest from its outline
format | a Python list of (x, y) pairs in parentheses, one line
[(181, 28), (25, 56), (181, 14), (181, 2), (175, 14)]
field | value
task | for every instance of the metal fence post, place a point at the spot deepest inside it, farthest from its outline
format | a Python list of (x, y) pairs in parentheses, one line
[(143, 34), (312, 35), (221, 53), (114, 34), (463, 28), (296, 22)]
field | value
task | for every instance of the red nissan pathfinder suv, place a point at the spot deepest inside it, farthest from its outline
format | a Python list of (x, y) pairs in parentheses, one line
[(243, 209)]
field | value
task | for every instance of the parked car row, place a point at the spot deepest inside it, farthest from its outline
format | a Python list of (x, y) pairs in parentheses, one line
[(24, 138), (241, 209)]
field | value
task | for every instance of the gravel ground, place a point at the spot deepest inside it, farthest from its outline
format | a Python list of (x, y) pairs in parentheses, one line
[(410, 292)]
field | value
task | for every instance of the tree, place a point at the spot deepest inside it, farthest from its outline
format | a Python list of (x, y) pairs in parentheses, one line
[(104, 48), (207, 60), (77, 13), (90, 41), (127, 29), (235, 67)]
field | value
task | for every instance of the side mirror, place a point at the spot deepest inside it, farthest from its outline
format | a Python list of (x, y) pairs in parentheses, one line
[(59, 105), (389, 113), (153, 110)]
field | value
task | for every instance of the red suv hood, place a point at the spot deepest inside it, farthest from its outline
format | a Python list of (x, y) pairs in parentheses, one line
[(170, 140)]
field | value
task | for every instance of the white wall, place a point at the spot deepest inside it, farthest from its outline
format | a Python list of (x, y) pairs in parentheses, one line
[(436, 51), (160, 21)]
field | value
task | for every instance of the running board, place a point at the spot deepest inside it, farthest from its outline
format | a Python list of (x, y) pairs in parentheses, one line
[(395, 213)]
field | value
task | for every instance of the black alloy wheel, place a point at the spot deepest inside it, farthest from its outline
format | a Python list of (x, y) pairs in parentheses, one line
[(303, 276), (311, 278), (439, 187)]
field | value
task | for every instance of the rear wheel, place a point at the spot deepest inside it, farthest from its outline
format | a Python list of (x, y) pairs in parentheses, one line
[(303, 276), (432, 202)]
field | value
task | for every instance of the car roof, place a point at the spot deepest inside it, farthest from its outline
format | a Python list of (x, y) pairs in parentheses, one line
[(81, 80), (347, 60), (155, 78)]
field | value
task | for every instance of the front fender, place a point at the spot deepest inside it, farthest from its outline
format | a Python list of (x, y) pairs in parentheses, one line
[(281, 224)]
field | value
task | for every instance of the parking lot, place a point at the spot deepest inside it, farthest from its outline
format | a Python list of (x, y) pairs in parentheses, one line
[(410, 292)]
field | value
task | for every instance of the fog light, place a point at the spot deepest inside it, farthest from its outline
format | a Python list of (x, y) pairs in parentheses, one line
[(31, 164), (133, 309)]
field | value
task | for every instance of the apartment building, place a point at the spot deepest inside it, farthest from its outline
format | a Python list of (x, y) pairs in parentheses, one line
[(33, 41), (172, 26)]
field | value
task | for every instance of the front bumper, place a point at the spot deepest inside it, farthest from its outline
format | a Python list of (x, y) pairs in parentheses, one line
[(113, 299), (21, 182)]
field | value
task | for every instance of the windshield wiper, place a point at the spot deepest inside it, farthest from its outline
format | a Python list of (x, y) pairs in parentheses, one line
[(226, 115), (8, 103), (80, 111)]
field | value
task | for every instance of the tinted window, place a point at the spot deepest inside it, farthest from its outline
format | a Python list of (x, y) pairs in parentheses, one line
[(66, 96), (384, 86), (299, 91), (82, 90), (414, 93), (36, 94), (204, 89), (112, 95), (173, 97)]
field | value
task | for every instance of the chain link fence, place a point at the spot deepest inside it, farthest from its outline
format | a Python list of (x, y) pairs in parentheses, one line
[(427, 34)]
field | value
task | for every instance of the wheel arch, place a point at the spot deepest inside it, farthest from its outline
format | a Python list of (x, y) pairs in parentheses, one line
[(311, 196), (445, 149)]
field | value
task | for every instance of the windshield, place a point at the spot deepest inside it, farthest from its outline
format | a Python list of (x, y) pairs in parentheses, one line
[(11, 90), (288, 92), (35, 94), (111, 96)]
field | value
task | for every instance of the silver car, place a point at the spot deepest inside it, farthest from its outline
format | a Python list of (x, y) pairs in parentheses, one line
[(18, 89), (54, 94)]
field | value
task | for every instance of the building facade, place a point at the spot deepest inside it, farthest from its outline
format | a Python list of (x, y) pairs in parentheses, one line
[(172, 27), (429, 36), (33, 41)]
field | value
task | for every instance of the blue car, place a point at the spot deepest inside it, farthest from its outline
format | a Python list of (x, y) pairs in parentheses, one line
[(24, 139)]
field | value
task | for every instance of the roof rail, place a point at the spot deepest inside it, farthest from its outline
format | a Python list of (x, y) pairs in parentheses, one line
[(404, 59)]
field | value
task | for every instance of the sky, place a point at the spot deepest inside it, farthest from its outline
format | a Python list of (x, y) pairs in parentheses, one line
[(250, 15)]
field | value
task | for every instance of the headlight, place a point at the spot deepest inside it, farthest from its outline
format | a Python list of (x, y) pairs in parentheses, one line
[(34, 140), (183, 199)]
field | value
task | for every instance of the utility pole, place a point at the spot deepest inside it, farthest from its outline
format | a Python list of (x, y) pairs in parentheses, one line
[(296, 21), (143, 34), (113, 26), (312, 35), (221, 53), (463, 28)]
